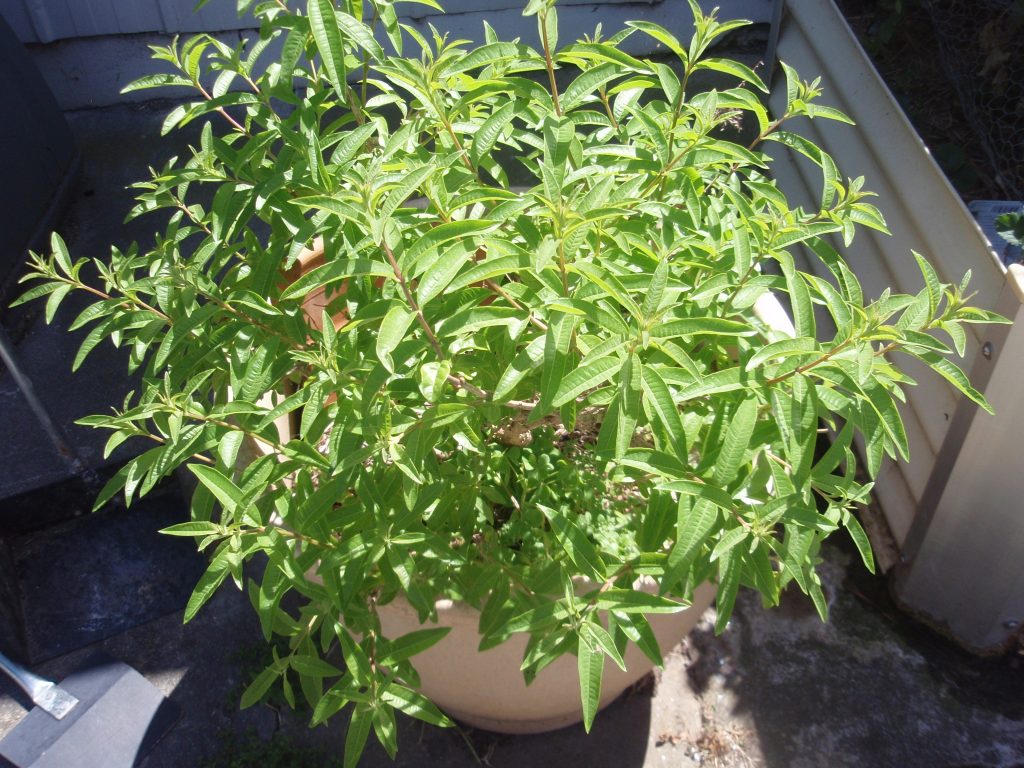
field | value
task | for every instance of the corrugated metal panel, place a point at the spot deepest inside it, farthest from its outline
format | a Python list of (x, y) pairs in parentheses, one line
[(923, 212), (961, 567), (49, 20)]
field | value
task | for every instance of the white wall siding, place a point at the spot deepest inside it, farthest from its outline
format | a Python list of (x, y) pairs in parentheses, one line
[(45, 21), (101, 45)]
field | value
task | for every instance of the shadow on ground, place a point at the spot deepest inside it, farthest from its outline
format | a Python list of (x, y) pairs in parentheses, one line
[(870, 688)]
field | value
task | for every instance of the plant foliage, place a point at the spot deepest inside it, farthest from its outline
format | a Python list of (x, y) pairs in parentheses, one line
[(531, 364)]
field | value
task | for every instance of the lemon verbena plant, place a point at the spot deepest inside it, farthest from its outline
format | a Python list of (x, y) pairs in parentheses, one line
[(530, 363)]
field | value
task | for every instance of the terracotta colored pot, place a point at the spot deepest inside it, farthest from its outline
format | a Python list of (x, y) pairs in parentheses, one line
[(486, 689)]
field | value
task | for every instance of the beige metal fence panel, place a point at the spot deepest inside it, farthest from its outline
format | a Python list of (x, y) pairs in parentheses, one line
[(964, 556), (923, 212)]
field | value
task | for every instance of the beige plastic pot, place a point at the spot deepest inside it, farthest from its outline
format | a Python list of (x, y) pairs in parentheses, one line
[(486, 688)]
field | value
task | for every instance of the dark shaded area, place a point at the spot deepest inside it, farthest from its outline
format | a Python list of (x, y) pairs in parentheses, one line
[(39, 158), (905, 46), (90, 578), (118, 146)]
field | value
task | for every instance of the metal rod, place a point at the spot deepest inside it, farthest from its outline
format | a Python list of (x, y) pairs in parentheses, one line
[(46, 694), (53, 431)]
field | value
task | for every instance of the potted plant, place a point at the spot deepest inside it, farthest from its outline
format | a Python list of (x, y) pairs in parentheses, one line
[(493, 320)]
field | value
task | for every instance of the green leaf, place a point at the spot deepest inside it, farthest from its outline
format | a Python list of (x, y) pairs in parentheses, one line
[(196, 528), (159, 80), (323, 22), (528, 359), (729, 540), (656, 289), (412, 643), (60, 253), (931, 281), (799, 297), (385, 728), (952, 373), (736, 441), (558, 134), (352, 142), (557, 342), (696, 523), (729, 567), (662, 408), (637, 629), (412, 180), (662, 35), (335, 271), (415, 705), (54, 301), (860, 539), (483, 56), (601, 640), (810, 150), (393, 328), (634, 601), (534, 618), (434, 379), (313, 666), (452, 230), (225, 491), (207, 586), (590, 374), (698, 326), (591, 667), (577, 546), (735, 69), (782, 348), (588, 82), (355, 737), (259, 687), (489, 131), (361, 34), (654, 462)]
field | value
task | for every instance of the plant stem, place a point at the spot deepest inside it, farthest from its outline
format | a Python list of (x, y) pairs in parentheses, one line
[(411, 300), (803, 368), (540, 324), (549, 63), (224, 113), (608, 108)]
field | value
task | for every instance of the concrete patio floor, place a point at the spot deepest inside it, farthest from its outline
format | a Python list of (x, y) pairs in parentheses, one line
[(777, 689)]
